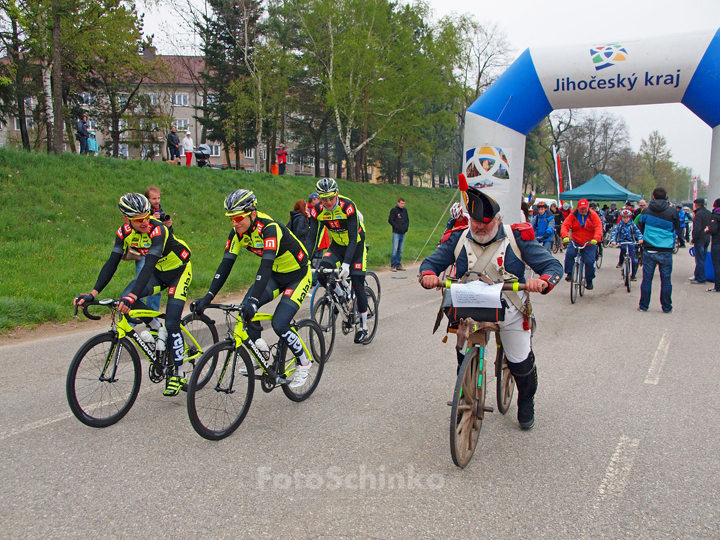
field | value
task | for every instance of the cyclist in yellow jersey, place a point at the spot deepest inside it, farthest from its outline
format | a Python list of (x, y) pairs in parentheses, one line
[(284, 269), (167, 265), (347, 248)]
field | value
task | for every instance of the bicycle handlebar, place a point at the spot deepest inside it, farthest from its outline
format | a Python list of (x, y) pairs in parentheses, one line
[(108, 302), (507, 286)]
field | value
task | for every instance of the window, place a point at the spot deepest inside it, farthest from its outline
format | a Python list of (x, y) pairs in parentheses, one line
[(123, 150), (86, 99), (123, 128), (151, 99), (211, 99), (146, 150), (214, 150), (29, 123), (263, 154), (122, 99), (249, 153), (332, 166), (92, 123), (311, 162), (180, 100), (181, 124)]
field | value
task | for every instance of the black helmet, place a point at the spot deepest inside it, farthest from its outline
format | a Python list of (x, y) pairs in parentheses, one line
[(326, 187), (240, 201), (593, 205), (134, 204)]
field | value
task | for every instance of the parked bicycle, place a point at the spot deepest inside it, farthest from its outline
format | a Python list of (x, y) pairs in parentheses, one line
[(330, 306), (104, 376), (222, 385), (468, 406), (577, 283)]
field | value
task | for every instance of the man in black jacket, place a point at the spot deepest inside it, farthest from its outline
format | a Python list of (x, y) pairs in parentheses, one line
[(700, 239), (82, 134), (400, 222), (173, 144)]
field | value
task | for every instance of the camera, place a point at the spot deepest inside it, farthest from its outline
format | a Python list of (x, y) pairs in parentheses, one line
[(165, 217)]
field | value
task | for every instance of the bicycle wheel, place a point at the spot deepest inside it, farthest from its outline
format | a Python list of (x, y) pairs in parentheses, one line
[(574, 283), (599, 257), (467, 411), (676, 248), (324, 315), (556, 244), (626, 271), (312, 338), (103, 380), (581, 279), (504, 380), (372, 315), (219, 407), (372, 281), (312, 296), (204, 335)]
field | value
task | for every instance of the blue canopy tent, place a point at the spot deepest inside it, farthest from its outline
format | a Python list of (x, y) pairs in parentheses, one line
[(600, 188)]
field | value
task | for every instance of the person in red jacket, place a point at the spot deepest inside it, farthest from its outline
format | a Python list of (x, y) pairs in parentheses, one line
[(585, 226), (281, 159)]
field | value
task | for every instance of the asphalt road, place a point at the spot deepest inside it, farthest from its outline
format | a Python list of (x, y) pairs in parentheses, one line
[(626, 442)]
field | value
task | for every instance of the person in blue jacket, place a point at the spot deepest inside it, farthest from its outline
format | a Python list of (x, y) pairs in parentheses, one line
[(544, 226)]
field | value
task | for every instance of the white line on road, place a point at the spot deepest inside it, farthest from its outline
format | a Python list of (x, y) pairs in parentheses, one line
[(618, 470), (653, 376), (34, 425)]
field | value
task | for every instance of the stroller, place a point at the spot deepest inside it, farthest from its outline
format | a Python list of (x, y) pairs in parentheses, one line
[(202, 155)]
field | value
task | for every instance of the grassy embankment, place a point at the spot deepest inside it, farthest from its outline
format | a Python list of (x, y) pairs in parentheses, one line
[(58, 217)]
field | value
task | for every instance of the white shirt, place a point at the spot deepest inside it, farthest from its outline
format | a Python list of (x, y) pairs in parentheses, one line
[(187, 144)]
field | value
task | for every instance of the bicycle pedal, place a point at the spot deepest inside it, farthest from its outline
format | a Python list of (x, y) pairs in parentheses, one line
[(487, 408), (449, 403), (281, 380)]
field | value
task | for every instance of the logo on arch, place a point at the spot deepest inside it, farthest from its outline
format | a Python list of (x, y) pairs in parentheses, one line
[(485, 165), (607, 55)]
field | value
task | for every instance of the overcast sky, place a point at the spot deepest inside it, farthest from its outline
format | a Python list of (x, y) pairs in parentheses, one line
[(533, 24)]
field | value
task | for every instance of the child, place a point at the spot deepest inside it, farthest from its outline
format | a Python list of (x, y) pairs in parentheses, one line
[(626, 231)]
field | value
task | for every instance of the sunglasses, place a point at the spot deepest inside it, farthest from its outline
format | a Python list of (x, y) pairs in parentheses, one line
[(238, 218), (329, 196), (140, 219)]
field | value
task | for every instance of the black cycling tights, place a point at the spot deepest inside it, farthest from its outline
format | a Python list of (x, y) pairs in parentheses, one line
[(283, 316), (357, 282)]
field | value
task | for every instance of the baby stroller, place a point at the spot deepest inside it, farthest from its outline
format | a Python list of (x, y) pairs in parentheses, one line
[(202, 155)]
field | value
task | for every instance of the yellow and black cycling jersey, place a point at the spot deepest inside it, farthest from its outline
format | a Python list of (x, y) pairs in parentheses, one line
[(342, 223), (279, 248), (162, 250)]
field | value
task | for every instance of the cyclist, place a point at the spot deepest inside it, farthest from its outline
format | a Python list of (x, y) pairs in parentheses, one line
[(585, 226), (339, 216), (284, 270), (626, 231), (596, 208), (167, 265), (544, 226), (511, 247), (612, 217)]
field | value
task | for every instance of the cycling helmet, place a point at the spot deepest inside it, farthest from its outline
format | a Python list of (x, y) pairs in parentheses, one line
[(566, 206), (626, 213), (134, 204), (613, 205), (240, 201), (326, 188), (456, 211), (594, 205)]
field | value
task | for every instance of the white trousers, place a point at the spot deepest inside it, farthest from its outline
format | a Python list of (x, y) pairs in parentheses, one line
[(516, 341)]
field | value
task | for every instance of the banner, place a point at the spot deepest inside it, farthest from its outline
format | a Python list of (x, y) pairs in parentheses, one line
[(695, 188)]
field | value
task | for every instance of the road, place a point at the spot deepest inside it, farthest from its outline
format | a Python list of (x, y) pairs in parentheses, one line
[(625, 444)]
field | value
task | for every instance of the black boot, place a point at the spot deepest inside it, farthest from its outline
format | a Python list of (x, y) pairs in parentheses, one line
[(525, 374)]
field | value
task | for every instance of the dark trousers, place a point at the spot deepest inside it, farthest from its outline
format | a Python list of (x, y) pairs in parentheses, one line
[(715, 255), (588, 259), (700, 256)]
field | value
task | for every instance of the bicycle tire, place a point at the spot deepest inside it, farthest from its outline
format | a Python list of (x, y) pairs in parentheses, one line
[(574, 282), (326, 318), (92, 400), (467, 411), (312, 296), (311, 335), (599, 257), (203, 330), (373, 316), (505, 382), (627, 272), (676, 248), (581, 280), (374, 279), (218, 408), (556, 244)]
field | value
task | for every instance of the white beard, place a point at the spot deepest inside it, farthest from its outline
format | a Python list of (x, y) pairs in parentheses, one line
[(487, 237)]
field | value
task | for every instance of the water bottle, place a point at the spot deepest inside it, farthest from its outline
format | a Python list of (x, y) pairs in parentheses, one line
[(147, 337), (263, 348), (161, 339)]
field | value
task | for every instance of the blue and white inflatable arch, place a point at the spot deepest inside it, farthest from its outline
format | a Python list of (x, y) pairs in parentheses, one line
[(681, 68)]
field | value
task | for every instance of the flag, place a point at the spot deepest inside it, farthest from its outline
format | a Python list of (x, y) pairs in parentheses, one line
[(695, 196), (569, 175)]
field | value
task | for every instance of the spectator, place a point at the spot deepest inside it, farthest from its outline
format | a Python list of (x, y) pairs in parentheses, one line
[(683, 219), (659, 224), (299, 224), (174, 145), (585, 227), (714, 232), (281, 159), (188, 147), (544, 226), (153, 196), (82, 134), (700, 239), (641, 206), (688, 221), (399, 221), (92, 144)]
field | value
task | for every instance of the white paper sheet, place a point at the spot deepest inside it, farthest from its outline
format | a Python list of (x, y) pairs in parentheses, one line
[(476, 294)]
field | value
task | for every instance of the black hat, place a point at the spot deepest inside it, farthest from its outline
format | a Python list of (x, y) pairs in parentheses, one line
[(481, 207), (699, 200)]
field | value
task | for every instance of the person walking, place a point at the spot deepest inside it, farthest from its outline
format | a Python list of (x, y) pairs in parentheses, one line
[(714, 232), (173, 142), (700, 239), (659, 223), (281, 159), (399, 221), (188, 147), (82, 134)]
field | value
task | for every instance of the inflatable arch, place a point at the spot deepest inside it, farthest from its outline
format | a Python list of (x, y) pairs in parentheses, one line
[(681, 68)]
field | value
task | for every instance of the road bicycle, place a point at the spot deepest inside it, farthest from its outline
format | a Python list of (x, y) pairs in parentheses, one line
[(222, 385), (626, 271), (104, 376), (577, 281), (332, 306), (468, 406), (371, 280)]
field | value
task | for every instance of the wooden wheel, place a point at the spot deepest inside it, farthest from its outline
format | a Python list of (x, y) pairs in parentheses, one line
[(467, 408)]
